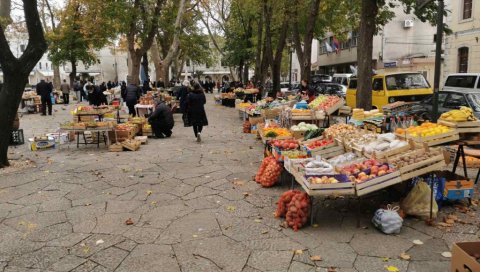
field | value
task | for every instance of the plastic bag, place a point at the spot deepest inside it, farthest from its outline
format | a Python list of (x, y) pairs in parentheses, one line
[(388, 221), (417, 202)]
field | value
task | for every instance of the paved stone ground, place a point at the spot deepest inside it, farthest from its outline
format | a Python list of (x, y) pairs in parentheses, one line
[(194, 208)]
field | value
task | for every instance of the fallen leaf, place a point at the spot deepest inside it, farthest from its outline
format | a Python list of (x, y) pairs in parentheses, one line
[(444, 224), (99, 242), (246, 194), (231, 208), (153, 203), (315, 258), (405, 256), (129, 222), (452, 217), (195, 236), (392, 268), (447, 254), (298, 252), (265, 232), (385, 259), (239, 183), (149, 192), (315, 226), (257, 221), (417, 242), (332, 269)]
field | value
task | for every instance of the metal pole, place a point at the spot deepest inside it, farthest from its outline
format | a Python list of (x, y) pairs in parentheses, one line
[(290, 72), (438, 59)]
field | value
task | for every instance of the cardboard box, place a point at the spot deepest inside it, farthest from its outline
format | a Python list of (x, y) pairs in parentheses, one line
[(462, 259), (255, 120), (271, 113)]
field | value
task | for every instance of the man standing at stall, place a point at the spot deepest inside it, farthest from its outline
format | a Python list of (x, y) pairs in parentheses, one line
[(162, 120), (44, 90), (65, 88)]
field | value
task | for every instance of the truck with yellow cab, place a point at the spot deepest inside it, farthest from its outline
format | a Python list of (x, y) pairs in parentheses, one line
[(389, 88)]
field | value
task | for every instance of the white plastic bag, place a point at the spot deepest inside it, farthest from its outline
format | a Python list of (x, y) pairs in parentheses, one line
[(417, 202), (388, 221)]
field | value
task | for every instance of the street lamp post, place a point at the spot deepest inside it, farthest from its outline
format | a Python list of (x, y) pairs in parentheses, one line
[(438, 59)]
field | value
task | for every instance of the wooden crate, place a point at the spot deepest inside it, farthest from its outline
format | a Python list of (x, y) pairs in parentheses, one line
[(329, 152), (462, 127), (377, 183), (342, 188), (388, 153), (115, 147), (121, 135), (335, 107), (132, 145), (299, 134), (423, 170), (142, 139), (434, 140)]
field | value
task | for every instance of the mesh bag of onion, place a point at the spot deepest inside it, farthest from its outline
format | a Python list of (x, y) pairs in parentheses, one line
[(269, 172), (298, 211), (283, 202)]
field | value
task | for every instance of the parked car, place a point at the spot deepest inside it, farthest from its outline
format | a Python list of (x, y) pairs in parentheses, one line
[(342, 79), (465, 81), (320, 78), (450, 100), (389, 88), (329, 89), (284, 87)]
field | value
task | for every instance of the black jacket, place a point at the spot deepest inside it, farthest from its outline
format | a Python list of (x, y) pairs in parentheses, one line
[(132, 93), (97, 97), (162, 116), (44, 89), (195, 109), (182, 96)]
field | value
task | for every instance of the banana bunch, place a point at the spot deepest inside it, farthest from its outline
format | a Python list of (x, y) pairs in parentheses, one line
[(462, 115)]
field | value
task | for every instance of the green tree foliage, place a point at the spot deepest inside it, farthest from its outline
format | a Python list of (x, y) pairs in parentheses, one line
[(85, 26)]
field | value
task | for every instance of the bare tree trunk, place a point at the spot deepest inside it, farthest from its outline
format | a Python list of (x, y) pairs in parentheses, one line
[(245, 73), (368, 14), (267, 43), (157, 61), (182, 63), (277, 62), (145, 65), (167, 61), (258, 55), (5, 8), (134, 68), (304, 54), (73, 74), (16, 71)]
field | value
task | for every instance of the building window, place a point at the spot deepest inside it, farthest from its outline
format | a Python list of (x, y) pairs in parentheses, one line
[(46, 65), (40, 65), (188, 63), (463, 60), (467, 9), (22, 48)]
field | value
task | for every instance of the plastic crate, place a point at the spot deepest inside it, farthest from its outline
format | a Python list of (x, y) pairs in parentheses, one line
[(17, 137)]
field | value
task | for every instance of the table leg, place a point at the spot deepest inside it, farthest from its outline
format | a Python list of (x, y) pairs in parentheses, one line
[(98, 139), (312, 210), (84, 139), (457, 158), (464, 164), (78, 138), (478, 176)]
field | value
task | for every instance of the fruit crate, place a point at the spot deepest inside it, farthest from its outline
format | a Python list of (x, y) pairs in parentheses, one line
[(435, 163), (335, 107), (387, 153), (132, 145), (433, 140), (462, 127), (328, 152), (17, 137), (344, 187), (115, 147), (377, 183)]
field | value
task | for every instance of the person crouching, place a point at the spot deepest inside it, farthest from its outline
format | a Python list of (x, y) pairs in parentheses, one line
[(161, 120)]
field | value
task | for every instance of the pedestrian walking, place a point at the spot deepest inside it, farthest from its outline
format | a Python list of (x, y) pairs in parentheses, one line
[(123, 90), (44, 90), (161, 120), (132, 94), (77, 88), (196, 115), (182, 95), (65, 88)]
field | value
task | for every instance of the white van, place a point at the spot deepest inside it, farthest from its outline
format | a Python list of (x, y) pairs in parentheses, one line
[(342, 79), (463, 81)]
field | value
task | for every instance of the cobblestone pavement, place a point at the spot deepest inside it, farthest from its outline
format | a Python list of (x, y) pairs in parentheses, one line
[(194, 208)]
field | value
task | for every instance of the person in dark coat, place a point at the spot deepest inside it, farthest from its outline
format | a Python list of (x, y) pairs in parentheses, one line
[(196, 115), (123, 90), (44, 90), (182, 95), (146, 87), (96, 97), (132, 94), (162, 120)]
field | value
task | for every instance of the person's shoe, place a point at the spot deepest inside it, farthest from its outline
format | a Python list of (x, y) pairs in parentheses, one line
[(199, 138), (43, 115)]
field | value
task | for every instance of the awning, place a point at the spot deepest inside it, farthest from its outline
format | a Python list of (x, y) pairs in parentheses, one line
[(89, 73)]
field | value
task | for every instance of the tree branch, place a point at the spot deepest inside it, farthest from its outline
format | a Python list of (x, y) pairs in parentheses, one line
[(36, 42)]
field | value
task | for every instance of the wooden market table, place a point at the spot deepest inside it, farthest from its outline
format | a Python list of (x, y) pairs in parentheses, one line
[(147, 108), (99, 131)]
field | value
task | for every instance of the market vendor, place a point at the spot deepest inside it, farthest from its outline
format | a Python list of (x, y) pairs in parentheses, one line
[(161, 120), (306, 93)]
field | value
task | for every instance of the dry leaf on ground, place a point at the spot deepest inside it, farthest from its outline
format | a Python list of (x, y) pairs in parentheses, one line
[(417, 242), (447, 254), (129, 222), (315, 258), (405, 256)]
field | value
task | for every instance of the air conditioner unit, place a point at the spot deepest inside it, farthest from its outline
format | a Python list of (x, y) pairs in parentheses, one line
[(408, 24)]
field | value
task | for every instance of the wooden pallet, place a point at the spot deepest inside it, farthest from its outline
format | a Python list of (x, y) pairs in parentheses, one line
[(377, 183)]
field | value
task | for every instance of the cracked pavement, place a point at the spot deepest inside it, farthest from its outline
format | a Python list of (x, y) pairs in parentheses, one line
[(193, 207)]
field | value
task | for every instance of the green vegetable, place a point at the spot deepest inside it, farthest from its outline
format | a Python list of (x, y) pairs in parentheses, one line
[(271, 134), (314, 133)]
